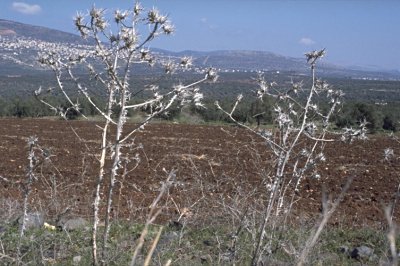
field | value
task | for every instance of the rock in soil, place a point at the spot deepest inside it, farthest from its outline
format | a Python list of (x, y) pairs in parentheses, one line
[(32, 220), (72, 224), (362, 252)]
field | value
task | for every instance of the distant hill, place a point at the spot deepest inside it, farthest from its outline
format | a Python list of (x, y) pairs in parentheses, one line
[(244, 60), (236, 60), (15, 29), (20, 44)]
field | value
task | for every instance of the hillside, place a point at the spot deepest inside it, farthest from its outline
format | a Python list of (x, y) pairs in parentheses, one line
[(15, 29), (235, 60), (243, 60), (21, 43), (20, 71)]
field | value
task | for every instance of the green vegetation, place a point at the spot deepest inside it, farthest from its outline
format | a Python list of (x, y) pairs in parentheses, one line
[(379, 117), (30, 107), (251, 111), (378, 102), (198, 246)]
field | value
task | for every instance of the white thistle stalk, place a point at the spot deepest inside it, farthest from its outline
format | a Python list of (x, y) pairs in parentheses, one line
[(117, 53)]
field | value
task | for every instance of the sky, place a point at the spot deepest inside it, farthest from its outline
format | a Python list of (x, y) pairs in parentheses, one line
[(354, 32)]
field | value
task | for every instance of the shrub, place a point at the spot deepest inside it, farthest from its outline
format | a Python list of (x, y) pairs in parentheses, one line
[(389, 123), (367, 112)]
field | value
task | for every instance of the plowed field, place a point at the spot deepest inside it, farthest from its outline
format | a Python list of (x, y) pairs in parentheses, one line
[(217, 168)]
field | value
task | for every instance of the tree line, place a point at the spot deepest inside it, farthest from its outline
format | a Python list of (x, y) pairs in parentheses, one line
[(379, 117)]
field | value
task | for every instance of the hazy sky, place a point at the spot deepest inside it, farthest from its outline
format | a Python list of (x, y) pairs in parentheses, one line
[(354, 32)]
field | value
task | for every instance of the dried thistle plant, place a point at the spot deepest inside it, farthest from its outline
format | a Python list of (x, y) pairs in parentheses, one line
[(36, 157), (109, 63), (300, 122)]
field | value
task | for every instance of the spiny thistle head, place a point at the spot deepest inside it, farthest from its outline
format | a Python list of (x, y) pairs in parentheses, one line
[(186, 62), (322, 85), (168, 28), (101, 24), (32, 140), (313, 56), (79, 19), (264, 86), (153, 16), (96, 12), (212, 75), (97, 18), (388, 153), (169, 67), (297, 86), (335, 96), (137, 9), (350, 134), (120, 16), (310, 128), (81, 25)]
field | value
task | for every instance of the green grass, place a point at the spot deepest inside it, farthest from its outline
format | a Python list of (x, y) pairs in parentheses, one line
[(195, 246)]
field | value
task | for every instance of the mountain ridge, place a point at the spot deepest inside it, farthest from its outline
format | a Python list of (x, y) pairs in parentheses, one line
[(225, 60), (18, 29), (245, 60)]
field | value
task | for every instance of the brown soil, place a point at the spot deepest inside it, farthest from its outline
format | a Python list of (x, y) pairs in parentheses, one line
[(217, 168)]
